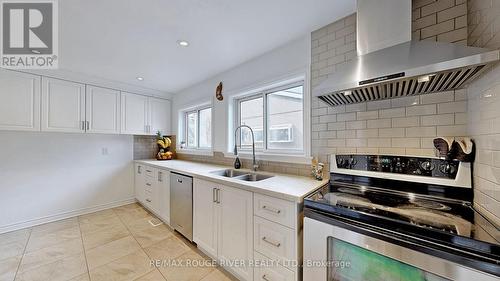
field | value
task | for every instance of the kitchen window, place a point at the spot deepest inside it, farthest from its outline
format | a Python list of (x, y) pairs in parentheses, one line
[(277, 118), (198, 129)]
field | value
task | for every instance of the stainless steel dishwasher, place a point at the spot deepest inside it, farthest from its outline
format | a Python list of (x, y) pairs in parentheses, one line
[(181, 204)]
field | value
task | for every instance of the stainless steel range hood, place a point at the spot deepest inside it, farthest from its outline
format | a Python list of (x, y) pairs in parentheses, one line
[(404, 69)]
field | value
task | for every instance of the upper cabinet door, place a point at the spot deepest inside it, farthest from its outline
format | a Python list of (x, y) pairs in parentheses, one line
[(134, 119), (159, 114), (19, 101), (63, 106), (102, 110)]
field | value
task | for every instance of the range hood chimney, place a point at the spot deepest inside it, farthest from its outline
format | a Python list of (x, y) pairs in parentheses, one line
[(382, 24), (390, 65)]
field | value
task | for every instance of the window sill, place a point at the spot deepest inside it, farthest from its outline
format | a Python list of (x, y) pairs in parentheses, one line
[(283, 158), (203, 152)]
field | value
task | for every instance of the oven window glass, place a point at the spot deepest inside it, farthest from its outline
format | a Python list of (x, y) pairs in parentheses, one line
[(347, 262)]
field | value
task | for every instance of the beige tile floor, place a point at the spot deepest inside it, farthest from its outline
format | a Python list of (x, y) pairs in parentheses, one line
[(114, 244)]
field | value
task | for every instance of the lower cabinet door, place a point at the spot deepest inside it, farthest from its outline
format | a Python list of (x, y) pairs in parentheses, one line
[(139, 183), (205, 216), (235, 236), (164, 191)]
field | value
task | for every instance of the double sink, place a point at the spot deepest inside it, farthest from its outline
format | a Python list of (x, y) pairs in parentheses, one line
[(241, 175)]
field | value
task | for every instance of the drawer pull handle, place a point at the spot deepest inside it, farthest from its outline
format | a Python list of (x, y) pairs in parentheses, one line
[(149, 200), (179, 180), (264, 277), (149, 171), (148, 184), (160, 175), (277, 211), (275, 244)]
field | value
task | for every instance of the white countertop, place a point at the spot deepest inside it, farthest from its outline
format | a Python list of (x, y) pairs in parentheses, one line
[(288, 187)]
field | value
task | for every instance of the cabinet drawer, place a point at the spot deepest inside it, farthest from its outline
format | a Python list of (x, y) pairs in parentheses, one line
[(270, 271), (274, 240), (276, 210), (148, 198), (150, 172), (148, 185)]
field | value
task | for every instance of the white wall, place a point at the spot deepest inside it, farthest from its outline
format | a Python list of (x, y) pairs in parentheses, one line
[(46, 176), (288, 60)]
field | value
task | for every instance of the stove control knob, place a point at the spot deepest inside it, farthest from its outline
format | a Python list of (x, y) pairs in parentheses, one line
[(447, 169), (398, 166), (427, 166), (340, 162), (353, 161)]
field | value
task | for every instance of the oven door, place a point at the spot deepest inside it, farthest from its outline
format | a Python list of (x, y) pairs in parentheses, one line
[(333, 253)]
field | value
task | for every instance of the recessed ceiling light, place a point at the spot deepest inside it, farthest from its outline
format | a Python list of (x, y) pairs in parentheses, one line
[(347, 93), (183, 43), (140, 78)]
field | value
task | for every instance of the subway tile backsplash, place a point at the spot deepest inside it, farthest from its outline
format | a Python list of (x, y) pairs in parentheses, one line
[(483, 121), (398, 126)]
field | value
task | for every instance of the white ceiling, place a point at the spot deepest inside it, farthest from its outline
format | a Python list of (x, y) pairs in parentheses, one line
[(122, 39)]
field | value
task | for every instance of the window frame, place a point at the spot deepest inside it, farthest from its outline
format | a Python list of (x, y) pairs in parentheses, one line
[(264, 95), (196, 110)]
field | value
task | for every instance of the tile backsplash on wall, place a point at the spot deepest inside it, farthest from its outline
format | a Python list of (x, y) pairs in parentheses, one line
[(269, 166), (404, 126), (145, 147), (483, 111), (440, 20)]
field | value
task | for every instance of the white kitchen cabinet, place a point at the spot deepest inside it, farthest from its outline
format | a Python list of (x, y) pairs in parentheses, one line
[(63, 106), (152, 190), (159, 116), (223, 224), (139, 183), (235, 231), (134, 114), (102, 110), (19, 101), (164, 192), (205, 214)]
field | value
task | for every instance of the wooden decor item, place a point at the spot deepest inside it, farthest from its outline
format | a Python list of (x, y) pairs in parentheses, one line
[(218, 92)]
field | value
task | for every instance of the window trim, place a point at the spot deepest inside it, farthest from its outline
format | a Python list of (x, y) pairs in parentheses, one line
[(263, 93), (183, 130)]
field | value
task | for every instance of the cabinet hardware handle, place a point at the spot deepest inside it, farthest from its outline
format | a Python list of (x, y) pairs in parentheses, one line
[(159, 176), (82, 125), (139, 169), (218, 195), (264, 277), (148, 184), (149, 200), (277, 211), (275, 244), (149, 171), (213, 196), (179, 180)]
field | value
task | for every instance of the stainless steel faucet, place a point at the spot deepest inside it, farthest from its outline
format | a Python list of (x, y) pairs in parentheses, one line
[(255, 166)]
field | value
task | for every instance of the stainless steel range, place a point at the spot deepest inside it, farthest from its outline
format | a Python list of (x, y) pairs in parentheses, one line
[(398, 218)]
